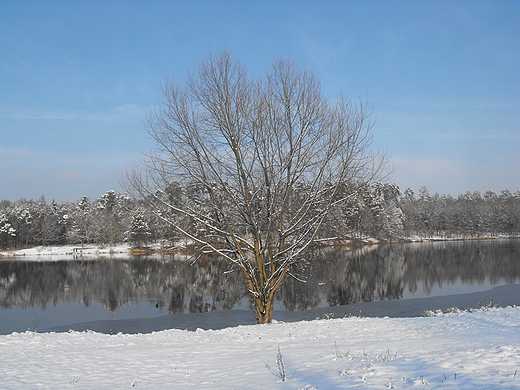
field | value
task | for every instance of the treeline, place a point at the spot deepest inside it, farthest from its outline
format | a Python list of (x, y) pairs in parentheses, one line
[(378, 210), (26, 223), (468, 215)]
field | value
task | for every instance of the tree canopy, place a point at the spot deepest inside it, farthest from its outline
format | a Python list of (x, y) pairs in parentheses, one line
[(255, 165)]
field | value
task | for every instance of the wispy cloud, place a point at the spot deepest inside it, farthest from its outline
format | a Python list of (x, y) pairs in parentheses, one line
[(127, 112), (79, 176), (6, 153), (429, 167), (439, 125), (476, 105), (451, 176), (21, 175)]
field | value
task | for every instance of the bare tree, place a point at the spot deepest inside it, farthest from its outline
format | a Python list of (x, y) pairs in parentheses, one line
[(256, 165)]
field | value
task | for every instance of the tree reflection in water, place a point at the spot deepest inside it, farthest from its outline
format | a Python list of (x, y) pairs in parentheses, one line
[(328, 277)]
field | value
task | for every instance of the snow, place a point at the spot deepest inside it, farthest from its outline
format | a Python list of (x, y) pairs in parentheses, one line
[(67, 252), (460, 350)]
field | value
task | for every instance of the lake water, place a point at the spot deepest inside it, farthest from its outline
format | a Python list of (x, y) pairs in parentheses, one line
[(141, 294)]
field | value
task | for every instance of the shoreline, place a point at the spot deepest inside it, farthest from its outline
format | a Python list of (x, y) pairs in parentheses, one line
[(74, 252)]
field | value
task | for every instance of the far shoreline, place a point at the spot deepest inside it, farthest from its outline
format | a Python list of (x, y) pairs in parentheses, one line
[(91, 251)]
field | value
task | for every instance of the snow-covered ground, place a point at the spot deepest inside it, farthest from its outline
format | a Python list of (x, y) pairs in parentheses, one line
[(66, 252), (466, 350)]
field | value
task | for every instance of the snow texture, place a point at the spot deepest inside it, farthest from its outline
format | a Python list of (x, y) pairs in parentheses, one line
[(460, 350), (66, 252)]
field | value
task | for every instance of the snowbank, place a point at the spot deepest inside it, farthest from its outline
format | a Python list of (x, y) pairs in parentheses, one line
[(464, 350)]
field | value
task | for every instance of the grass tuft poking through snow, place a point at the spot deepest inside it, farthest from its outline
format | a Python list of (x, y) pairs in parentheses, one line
[(453, 311), (280, 366)]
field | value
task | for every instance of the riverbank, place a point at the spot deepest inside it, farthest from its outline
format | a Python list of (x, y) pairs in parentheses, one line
[(463, 350), (66, 251), (123, 250)]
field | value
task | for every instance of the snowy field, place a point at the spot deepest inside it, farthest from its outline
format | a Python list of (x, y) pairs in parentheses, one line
[(465, 350)]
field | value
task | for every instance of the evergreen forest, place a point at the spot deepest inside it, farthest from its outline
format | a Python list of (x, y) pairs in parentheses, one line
[(378, 211)]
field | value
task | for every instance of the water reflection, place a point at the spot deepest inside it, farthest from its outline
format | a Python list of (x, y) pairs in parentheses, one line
[(331, 277), (168, 283)]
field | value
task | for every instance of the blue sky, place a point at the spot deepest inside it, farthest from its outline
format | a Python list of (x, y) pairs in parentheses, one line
[(78, 77)]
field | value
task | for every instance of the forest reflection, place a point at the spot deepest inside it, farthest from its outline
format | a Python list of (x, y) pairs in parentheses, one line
[(326, 277)]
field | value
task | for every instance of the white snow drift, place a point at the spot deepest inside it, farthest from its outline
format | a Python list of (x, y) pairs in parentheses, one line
[(466, 350)]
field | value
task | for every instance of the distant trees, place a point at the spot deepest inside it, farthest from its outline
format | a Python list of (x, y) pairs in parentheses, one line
[(32, 223), (255, 168), (7, 231), (468, 215), (376, 211), (111, 213), (139, 232), (79, 222), (26, 223)]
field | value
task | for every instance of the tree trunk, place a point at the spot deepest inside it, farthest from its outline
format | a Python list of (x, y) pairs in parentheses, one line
[(264, 307)]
